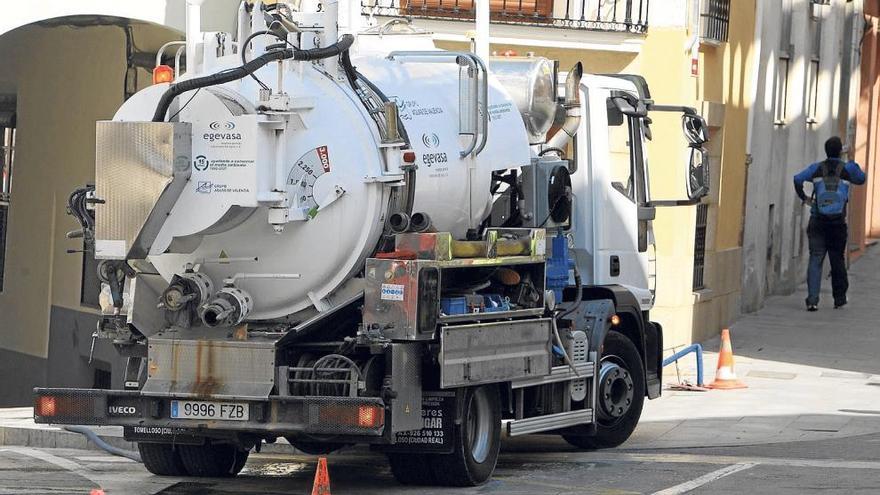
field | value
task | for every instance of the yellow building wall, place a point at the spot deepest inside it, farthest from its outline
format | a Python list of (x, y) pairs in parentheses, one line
[(721, 93), (65, 79)]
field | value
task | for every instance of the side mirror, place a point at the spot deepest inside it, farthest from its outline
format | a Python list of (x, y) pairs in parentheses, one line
[(629, 105), (698, 174), (695, 129)]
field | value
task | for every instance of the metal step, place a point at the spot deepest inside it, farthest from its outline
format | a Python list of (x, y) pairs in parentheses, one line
[(519, 427), (558, 374)]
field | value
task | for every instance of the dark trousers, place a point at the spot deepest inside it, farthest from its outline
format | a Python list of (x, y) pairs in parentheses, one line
[(827, 237)]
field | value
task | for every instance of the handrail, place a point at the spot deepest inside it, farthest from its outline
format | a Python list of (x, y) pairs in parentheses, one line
[(479, 89), (161, 50)]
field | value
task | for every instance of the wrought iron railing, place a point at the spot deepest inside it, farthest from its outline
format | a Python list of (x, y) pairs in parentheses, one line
[(715, 20), (597, 15)]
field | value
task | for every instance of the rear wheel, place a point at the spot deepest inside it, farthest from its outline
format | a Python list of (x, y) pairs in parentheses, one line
[(477, 441), (162, 459), (621, 395), (213, 460)]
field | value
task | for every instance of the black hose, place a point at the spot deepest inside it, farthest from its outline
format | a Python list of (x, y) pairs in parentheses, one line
[(98, 441), (578, 297), (237, 73)]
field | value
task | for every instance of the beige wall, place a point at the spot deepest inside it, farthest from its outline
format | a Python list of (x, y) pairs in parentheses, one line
[(65, 79)]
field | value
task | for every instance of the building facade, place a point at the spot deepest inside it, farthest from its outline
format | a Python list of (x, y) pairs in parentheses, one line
[(865, 208), (807, 90), (66, 65)]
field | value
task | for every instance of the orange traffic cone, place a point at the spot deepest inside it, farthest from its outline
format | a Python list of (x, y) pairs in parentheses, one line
[(322, 478), (725, 377)]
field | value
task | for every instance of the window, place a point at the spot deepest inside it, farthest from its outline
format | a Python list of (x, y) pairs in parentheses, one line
[(700, 246), (812, 94), (780, 96), (619, 148), (7, 155), (714, 20), (780, 103)]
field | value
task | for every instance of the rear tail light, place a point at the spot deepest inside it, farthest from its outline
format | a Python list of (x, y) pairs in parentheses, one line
[(64, 406), (370, 416), (46, 406), (362, 416)]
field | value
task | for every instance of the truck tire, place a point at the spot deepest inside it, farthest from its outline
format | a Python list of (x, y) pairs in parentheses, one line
[(213, 460), (621, 395), (477, 441), (162, 459), (412, 469)]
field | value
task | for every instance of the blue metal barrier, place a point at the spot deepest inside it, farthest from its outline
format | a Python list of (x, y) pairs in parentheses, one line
[(696, 348)]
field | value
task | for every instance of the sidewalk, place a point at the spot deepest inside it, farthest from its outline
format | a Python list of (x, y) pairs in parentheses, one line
[(811, 376)]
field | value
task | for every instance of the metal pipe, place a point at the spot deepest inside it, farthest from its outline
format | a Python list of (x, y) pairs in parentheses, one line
[(193, 31), (399, 222), (572, 110), (331, 33), (695, 348), (177, 61), (420, 222), (481, 21), (162, 49)]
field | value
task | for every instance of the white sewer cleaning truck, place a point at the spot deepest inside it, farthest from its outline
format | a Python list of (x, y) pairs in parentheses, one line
[(329, 231)]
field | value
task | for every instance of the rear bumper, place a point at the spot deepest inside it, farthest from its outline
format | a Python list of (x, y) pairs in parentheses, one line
[(343, 416)]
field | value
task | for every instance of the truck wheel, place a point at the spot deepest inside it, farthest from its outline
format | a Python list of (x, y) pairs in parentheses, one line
[(477, 441), (213, 460), (621, 394), (412, 469), (162, 459)]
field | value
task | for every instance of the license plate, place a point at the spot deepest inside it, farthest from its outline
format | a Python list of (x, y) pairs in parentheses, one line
[(190, 409)]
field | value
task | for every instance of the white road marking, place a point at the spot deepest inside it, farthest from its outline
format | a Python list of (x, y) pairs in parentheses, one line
[(103, 458), (729, 459), (61, 462), (705, 479)]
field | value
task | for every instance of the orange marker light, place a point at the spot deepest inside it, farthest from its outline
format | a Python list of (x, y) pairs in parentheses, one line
[(615, 320), (46, 406), (370, 416), (162, 74), (409, 156)]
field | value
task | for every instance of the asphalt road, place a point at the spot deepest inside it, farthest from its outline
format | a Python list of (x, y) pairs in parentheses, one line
[(537, 465)]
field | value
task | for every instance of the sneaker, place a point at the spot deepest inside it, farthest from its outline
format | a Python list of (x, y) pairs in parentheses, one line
[(813, 307), (840, 304)]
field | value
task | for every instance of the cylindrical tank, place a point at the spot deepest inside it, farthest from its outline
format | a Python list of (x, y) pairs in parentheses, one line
[(331, 161), (531, 83)]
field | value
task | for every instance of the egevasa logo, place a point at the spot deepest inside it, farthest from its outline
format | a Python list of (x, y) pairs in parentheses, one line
[(216, 126), (122, 410), (222, 136)]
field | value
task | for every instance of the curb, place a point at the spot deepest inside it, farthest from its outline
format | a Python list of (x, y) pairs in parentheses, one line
[(57, 438)]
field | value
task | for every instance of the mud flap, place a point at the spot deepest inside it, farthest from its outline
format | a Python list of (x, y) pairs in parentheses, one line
[(436, 435), (162, 434)]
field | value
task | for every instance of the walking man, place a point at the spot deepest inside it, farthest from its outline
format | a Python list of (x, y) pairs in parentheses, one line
[(827, 229)]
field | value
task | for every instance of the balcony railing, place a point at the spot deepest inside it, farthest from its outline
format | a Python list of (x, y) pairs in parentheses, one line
[(597, 15)]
